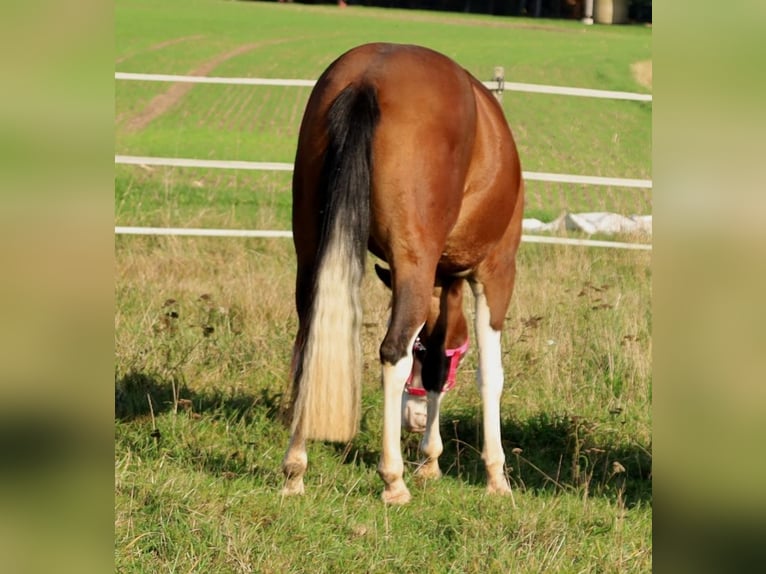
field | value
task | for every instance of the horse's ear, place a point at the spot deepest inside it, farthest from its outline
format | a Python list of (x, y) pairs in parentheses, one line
[(384, 275)]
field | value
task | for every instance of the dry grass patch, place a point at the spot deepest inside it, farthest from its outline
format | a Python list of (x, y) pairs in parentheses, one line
[(642, 72)]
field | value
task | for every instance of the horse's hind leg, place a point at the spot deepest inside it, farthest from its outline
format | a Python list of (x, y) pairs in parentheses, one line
[(411, 297), (492, 296), (294, 465), (295, 461)]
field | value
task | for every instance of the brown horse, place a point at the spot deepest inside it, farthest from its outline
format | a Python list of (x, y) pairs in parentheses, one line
[(402, 152)]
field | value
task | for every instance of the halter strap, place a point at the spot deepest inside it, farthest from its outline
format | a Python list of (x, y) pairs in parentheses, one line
[(454, 355)]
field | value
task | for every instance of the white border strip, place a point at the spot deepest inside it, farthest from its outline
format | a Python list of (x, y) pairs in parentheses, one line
[(276, 166), (268, 234), (492, 85)]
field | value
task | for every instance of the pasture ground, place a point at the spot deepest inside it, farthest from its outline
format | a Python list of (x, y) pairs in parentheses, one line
[(204, 327), (204, 331)]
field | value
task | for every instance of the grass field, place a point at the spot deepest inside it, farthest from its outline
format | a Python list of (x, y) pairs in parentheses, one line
[(555, 134), (204, 327)]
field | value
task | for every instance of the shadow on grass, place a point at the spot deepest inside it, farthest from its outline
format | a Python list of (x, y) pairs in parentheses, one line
[(231, 458), (544, 453), (133, 392)]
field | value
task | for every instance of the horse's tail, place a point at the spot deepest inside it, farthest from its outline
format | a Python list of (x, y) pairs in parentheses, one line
[(328, 365)]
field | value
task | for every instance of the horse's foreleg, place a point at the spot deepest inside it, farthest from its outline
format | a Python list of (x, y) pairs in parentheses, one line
[(409, 309), (431, 446), (490, 382)]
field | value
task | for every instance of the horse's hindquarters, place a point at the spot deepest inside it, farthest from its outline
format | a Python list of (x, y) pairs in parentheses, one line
[(401, 151)]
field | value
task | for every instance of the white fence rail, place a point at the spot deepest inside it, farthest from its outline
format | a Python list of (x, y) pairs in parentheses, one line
[(492, 85), (277, 166), (271, 234), (497, 86)]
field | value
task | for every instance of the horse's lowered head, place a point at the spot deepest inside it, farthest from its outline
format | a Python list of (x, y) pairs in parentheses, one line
[(444, 331)]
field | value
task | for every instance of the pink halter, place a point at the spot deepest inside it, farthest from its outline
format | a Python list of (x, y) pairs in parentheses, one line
[(454, 355)]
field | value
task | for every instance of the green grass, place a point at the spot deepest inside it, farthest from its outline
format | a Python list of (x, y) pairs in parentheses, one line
[(204, 330), (221, 514), (204, 327)]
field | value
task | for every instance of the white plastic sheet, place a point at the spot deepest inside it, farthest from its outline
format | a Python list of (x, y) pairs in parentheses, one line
[(591, 223)]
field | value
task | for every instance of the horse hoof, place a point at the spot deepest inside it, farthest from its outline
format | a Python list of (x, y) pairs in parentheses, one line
[(398, 495), (499, 488), (428, 471), (293, 487)]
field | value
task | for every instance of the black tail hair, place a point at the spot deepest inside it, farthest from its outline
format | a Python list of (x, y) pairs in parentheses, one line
[(344, 187), (327, 379)]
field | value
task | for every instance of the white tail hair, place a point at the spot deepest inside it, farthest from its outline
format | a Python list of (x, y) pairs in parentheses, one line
[(328, 403)]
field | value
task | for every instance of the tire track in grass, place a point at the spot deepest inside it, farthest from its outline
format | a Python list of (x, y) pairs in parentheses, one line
[(212, 109), (169, 99), (301, 97), (255, 122), (224, 105), (160, 46), (236, 120)]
